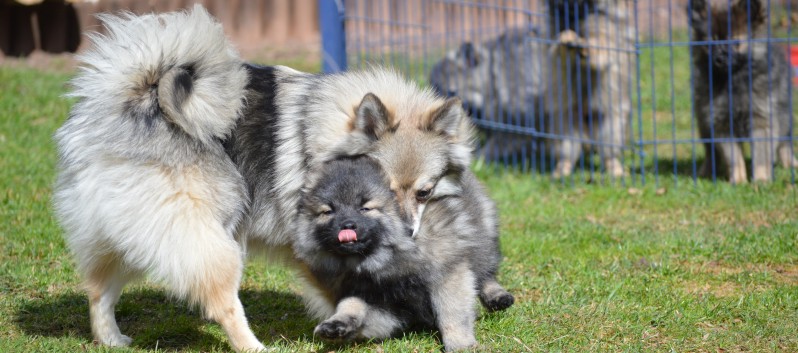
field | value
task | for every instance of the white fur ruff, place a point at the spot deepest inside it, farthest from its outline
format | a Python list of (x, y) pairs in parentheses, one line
[(144, 185)]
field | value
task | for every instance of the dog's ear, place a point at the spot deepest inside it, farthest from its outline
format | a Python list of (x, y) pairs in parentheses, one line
[(740, 13), (372, 120), (371, 117), (469, 54), (452, 122), (448, 119), (697, 10)]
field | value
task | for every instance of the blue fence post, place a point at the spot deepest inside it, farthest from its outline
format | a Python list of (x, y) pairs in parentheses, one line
[(333, 36)]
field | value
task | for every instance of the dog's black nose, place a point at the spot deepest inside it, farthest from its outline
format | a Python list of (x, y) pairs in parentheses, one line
[(349, 225)]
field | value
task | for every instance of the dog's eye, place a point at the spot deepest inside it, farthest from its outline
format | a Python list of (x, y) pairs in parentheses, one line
[(326, 212), (423, 195), (365, 209)]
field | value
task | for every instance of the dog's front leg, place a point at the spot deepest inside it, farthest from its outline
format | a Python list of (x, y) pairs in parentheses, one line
[(732, 155), (453, 302), (347, 321), (356, 319)]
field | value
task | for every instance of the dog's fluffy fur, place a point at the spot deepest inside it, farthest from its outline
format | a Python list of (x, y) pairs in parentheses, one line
[(594, 59), (576, 89), (741, 88), (385, 282), (144, 184), (376, 281), (178, 158), (296, 122)]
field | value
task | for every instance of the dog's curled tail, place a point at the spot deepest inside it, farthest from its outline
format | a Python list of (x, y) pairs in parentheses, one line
[(176, 66)]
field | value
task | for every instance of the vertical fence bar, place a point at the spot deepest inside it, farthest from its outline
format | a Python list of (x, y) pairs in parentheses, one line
[(333, 36), (640, 142)]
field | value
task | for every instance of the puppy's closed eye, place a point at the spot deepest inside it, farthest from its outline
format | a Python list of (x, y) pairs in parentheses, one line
[(325, 210), (370, 206)]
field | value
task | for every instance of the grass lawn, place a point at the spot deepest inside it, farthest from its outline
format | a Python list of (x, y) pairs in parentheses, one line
[(677, 265)]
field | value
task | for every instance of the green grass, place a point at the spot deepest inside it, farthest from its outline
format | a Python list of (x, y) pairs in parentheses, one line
[(674, 266)]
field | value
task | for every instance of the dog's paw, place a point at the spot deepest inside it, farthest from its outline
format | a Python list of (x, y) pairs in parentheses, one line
[(335, 330), (614, 168), (116, 341), (499, 302), (563, 169), (458, 344)]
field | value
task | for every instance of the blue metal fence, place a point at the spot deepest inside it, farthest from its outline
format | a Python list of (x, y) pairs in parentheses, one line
[(595, 90)]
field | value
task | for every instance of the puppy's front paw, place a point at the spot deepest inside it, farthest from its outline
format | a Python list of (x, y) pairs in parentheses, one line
[(499, 302), (335, 330)]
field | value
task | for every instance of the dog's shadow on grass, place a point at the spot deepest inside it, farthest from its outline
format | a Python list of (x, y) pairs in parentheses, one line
[(153, 320)]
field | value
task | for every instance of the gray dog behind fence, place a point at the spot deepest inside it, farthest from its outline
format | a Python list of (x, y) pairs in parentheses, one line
[(573, 89)]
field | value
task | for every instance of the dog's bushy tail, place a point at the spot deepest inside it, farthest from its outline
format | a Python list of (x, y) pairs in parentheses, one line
[(177, 66)]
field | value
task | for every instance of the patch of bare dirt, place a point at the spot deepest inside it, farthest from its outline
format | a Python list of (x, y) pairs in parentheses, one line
[(39, 60), (780, 273), (719, 290)]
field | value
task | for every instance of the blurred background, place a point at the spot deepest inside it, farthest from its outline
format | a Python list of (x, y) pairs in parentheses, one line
[(263, 30), (414, 35)]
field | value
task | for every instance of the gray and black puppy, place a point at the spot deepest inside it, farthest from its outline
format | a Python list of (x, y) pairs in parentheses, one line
[(369, 278), (741, 87), (504, 80)]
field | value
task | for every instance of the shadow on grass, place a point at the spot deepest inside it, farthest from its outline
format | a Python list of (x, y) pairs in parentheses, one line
[(687, 168), (153, 320), (666, 167)]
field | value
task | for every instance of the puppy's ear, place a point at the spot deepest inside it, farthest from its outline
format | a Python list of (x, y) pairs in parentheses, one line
[(371, 117), (371, 122), (740, 13), (469, 54), (448, 119), (452, 122), (697, 10)]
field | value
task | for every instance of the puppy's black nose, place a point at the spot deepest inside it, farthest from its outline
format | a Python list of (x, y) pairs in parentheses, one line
[(349, 225)]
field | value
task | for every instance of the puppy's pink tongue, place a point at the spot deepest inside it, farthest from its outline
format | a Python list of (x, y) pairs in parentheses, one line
[(347, 236)]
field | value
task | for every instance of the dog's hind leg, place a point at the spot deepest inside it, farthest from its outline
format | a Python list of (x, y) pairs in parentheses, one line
[(713, 161), (494, 297), (221, 304), (786, 155), (762, 154), (611, 138), (214, 273), (104, 282), (453, 304)]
